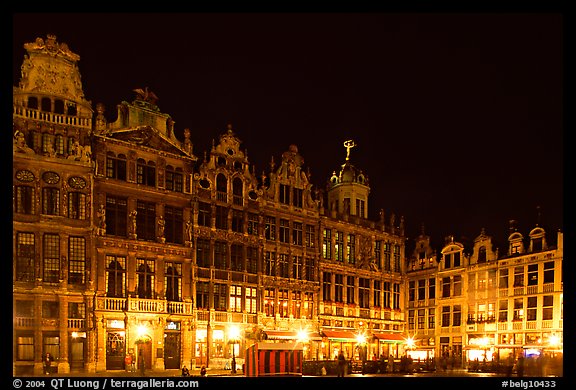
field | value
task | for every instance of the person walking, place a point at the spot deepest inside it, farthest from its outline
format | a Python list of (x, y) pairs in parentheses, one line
[(47, 363), (341, 365)]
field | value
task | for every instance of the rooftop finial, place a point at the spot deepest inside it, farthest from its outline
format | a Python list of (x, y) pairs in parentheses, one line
[(349, 144)]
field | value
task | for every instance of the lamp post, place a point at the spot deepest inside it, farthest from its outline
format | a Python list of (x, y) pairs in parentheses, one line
[(361, 340), (233, 336)]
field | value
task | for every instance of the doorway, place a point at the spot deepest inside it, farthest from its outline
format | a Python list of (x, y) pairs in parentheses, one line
[(172, 350), (145, 352)]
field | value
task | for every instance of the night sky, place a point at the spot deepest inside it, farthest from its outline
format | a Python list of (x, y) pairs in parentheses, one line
[(457, 117)]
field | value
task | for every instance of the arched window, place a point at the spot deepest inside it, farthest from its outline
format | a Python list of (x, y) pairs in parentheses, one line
[(115, 276), (46, 104), (33, 102), (58, 106), (173, 272), (237, 191), (221, 187), (145, 272)]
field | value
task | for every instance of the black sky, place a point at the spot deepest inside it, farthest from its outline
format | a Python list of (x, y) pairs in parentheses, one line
[(457, 117)]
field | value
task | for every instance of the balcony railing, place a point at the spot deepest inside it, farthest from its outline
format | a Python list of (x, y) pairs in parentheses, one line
[(24, 322), (51, 117), (143, 305), (548, 287), (77, 323)]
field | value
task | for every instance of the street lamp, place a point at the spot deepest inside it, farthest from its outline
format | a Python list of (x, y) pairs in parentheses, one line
[(361, 340), (233, 336)]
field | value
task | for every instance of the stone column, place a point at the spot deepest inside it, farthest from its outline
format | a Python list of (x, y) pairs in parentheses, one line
[(63, 364)]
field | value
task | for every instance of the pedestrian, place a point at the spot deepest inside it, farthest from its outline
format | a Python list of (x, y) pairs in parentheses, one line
[(203, 371), (185, 371), (128, 362), (341, 365), (141, 363), (47, 363), (520, 366)]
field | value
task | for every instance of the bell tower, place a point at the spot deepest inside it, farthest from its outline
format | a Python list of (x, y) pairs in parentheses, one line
[(349, 189)]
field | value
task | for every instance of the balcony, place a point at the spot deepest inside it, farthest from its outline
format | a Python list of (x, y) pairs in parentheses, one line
[(548, 288), (51, 117), (143, 305)]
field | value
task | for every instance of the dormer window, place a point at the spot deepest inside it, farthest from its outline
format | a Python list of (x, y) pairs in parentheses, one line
[(482, 254)]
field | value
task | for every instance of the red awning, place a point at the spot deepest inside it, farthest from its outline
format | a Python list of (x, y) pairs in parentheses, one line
[(340, 335), (390, 337), (288, 335)]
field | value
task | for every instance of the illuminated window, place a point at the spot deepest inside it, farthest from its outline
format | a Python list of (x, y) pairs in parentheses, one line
[(351, 249), (283, 303), (339, 246), (235, 302), (250, 300), (327, 244)]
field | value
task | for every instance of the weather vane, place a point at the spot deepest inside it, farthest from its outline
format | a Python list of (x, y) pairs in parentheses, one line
[(349, 145)]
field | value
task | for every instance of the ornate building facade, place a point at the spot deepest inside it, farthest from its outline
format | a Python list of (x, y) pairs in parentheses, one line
[(125, 242)]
